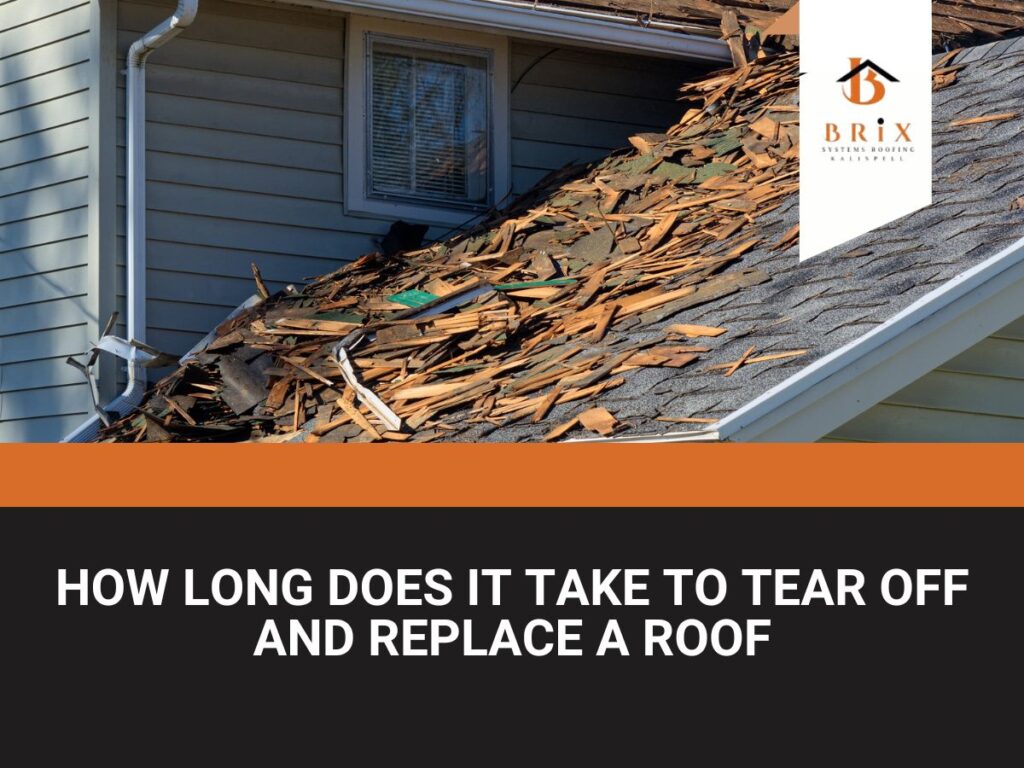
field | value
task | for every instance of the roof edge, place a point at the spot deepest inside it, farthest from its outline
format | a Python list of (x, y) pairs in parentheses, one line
[(831, 391), (696, 436), (525, 17)]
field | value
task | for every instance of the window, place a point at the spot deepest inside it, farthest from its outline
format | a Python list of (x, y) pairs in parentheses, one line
[(427, 132), (429, 124)]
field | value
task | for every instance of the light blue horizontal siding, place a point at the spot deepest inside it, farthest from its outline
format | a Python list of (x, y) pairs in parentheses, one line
[(29, 24), (574, 106), (43, 287), (50, 301), (47, 199), (53, 113), (894, 423), (44, 140), (244, 161), (43, 173), (42, 258), (25, 233), (248, 120), (38, 397), (190, 170), (37, 374), (57, 54), (39, 89), (49, 429), (978, 396), (59, 342)]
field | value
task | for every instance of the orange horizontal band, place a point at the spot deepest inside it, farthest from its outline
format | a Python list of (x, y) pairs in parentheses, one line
[(461, 475)]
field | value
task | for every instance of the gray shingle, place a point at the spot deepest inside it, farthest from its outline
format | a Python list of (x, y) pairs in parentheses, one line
[(833, 299)]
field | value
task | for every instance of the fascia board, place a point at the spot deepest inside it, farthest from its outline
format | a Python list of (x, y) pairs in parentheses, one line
[(513, 17)]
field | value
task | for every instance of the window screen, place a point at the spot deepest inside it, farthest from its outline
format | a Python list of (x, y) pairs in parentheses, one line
[(428, 123)]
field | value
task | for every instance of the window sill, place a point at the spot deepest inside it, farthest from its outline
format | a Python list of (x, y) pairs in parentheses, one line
[(413, 213)]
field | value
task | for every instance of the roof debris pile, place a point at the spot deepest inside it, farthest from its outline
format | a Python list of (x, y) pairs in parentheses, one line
[(960, 21), (530, 318), (518, 316)]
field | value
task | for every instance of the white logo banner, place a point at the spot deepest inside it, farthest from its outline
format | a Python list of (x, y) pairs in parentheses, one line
[(865, 117)]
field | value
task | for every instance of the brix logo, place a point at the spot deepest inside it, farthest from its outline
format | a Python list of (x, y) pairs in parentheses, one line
[(865, 115), (865, 85), (862, 72)]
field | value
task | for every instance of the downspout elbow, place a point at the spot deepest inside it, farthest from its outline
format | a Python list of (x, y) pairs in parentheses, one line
[(170, 28)]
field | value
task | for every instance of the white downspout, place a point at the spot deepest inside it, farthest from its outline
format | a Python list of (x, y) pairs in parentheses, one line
[(161, 34)]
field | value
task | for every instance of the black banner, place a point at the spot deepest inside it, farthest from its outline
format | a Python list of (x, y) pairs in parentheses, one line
[(362, 643)]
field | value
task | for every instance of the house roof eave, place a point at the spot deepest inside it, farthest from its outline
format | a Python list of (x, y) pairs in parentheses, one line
[(518, 17)]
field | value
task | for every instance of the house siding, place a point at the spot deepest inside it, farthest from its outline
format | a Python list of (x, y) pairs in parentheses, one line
[(244, 114), (46, 308), (572, 105), (245, 125), (245, 164), (977, 396)]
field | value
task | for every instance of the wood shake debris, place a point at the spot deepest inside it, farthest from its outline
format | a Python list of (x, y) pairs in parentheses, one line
[(985, 119), (505, 322), (959, 21)]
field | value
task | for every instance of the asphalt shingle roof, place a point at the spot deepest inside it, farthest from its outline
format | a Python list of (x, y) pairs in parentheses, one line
[(825, 303)]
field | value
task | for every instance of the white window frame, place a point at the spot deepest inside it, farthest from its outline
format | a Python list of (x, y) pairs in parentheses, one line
[(357, 201)]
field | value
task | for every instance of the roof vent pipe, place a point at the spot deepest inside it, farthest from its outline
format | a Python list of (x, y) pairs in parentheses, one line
[(160, 35)]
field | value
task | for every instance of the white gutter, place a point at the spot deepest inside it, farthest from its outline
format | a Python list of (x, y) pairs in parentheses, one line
[(160, 35), (536, 19)]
